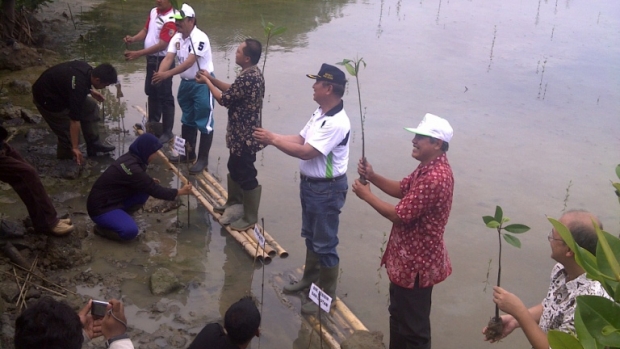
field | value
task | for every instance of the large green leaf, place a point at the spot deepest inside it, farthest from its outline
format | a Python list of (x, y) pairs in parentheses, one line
[(487, 219), (499, 214), (562, 340), (512, 240), (278, 31), (517, 228), (610, 282), (618, 171), (601, 314), (584, 336), (608, 244)]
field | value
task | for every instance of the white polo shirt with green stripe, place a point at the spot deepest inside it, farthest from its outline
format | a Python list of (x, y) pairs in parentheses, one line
[(329, 134)]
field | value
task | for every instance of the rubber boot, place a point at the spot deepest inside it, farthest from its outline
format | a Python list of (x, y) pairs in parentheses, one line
[(235, 196), (167, 122), (203, 153), (328, 280), (311, 274), (189, 134), (251, 201)]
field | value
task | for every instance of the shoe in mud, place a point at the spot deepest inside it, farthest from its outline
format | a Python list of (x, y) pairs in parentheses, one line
[(62, 229)]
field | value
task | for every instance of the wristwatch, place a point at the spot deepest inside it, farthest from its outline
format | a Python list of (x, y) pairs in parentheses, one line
[(116, 338)]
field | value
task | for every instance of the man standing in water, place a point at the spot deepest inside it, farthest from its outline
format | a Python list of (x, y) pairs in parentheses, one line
[(156, 33), (61, 96), (323, 147), (244, 100), (415, 256), (568, 281), (192, 50)]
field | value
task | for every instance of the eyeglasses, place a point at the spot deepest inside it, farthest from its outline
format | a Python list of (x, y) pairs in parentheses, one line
[(551, 238)]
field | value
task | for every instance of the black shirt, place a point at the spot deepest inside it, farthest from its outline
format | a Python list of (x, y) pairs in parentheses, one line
[(64, 86), (212, 336)]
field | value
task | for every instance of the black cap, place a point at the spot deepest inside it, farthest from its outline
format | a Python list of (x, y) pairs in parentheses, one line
[(329, 73)]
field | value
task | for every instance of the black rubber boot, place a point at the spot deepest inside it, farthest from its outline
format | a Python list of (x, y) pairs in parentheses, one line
[(251, 201), (189, 134), (235, 196), (311, 274), (97, 147), (328, 280), (203, 153)]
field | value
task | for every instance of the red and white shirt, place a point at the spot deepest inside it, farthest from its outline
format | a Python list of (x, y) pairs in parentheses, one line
[(159, 26), (416, 246)]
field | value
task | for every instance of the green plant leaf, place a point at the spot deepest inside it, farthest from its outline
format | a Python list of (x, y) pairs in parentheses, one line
[(618, 171), (583, 257), (610, 283), (487, 219), (598, 313), (512, 240), (499, 214), (493, 224), (278, 31), (562, 340), (517, 228), (606, 246), (505, 219), (582, 333)]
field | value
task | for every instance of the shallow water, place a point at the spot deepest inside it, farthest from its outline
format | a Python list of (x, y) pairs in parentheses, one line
[(531, 89)]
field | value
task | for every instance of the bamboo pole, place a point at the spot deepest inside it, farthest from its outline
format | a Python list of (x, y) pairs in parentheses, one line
[(215, 183), (38, 286), (46, 280), (250, 236), (321, 331)]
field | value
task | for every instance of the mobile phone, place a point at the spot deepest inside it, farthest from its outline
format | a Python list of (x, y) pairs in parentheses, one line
[(98, 308)]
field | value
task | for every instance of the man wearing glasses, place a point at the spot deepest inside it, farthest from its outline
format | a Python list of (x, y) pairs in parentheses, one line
[(568, 280)]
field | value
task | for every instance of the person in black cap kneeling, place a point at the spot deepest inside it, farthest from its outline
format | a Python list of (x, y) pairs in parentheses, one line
[(323, 147)]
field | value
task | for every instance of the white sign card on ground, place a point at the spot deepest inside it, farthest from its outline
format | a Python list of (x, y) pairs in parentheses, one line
[(179, 145), (316, 293), (259, 237)]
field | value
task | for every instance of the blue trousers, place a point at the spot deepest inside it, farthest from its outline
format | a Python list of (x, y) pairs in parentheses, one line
[(119, 220), (321, 203), (196, 102)]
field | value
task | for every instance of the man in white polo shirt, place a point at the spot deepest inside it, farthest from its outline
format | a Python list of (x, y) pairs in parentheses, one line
[(192, 50), (157, 33), (323, 147)]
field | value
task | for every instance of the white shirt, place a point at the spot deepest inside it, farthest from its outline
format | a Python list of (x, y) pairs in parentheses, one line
[(155, 24), (329, 134), (197, 40)]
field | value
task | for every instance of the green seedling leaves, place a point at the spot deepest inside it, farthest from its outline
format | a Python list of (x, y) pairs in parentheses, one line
[(512, 240), (493, 224), (618, 171), (499, 214), (487, 219), (583, 257), (603, 322), (517, 228), (562, 340), (584, 336)]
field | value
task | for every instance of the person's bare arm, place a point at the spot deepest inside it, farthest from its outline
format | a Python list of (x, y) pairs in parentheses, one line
[(388, 186), (528, 319), (384, 208), (160, 46), (74, 132), (292, 145), (140, 36)]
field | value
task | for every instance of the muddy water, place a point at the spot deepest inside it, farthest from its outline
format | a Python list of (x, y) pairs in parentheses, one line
[(530, 87)]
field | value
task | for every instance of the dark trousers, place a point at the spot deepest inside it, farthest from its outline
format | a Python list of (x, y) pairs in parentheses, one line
[(161, 101), (24, 179), (59, 122), (242, 170), (410, 311)]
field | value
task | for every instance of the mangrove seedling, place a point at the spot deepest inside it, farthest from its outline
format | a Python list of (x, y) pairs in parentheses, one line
[(353, 67), (496, 326), (270, 31)]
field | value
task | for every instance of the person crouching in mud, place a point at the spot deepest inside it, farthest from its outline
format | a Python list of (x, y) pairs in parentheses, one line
[(124, 187)]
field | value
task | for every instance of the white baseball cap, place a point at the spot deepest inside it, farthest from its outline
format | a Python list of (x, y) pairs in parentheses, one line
[(433, 126), (186, 11)]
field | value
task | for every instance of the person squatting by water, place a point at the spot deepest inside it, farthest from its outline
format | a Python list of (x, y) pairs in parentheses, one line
[(24, 179), (157, 33), (415, 256), (323, 147), (244, 100), (190, 45), (568, 281), (61, 96), (124, 187), (241, 322), (51, 324)]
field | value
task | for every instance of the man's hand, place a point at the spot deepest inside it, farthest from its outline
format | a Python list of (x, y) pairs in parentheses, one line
[(263, 136), (361, 190), (97, 95), (203, 76), (128, 39), (159, 77), (90, 325), (131, 55), (510, 323), (77, 155), (508, 302), (365, 169), (185, 190), (114, 323)]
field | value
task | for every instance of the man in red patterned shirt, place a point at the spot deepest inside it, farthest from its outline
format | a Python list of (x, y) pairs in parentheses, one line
[(416, 256)]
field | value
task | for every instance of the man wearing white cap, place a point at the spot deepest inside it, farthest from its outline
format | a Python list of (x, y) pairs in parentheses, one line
[(415, 257), (192, 50)]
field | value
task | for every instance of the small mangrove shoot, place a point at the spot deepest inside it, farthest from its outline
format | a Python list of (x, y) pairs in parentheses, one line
[(496, 326), (270, 31)]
